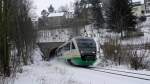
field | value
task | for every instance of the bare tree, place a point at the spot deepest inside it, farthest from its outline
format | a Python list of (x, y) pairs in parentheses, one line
[(15, 30)]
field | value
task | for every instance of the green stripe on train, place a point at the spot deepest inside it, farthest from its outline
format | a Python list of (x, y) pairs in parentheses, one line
[(78, 61)]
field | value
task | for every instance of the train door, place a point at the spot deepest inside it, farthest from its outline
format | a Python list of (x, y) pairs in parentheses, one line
[(72, 46), (66, 52), (74, 50)]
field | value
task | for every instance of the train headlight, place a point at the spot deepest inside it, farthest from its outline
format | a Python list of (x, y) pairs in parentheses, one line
[(94, 52), (81, 52)]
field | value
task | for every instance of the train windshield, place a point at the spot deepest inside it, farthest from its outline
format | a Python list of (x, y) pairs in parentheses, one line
[(86, 44)]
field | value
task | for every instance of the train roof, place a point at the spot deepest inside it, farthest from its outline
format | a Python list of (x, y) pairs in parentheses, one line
[(75, 39)]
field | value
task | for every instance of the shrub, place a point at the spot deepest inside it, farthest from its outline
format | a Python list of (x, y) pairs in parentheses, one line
[(116, 53), (113, 51)]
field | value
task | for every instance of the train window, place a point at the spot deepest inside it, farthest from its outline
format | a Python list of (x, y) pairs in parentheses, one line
[(86, 44), (72, 47)]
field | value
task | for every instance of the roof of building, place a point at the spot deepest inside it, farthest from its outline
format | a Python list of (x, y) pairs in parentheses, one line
[(56, 14), (137, 3)]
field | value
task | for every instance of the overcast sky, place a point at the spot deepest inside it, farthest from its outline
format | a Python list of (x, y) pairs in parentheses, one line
[(39, 5), (139, 0)]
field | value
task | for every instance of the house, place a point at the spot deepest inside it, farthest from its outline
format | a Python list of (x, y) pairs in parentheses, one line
[(138, 9), (58, 19)]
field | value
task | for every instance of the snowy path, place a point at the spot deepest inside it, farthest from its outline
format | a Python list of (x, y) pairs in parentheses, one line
[(56, 72)]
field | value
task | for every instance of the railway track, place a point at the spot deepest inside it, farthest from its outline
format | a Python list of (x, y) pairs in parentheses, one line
[(123, 73), (126, 71), (135, 46)]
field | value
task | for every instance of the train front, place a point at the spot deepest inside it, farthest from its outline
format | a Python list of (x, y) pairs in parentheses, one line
[(87, 49)]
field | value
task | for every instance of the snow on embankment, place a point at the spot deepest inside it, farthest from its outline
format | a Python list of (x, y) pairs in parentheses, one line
[(37, 56), (57, 71), (42, 72)]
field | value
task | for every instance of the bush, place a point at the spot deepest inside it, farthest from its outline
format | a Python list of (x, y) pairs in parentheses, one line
[(138, 59), (142, 18), (131, 34)]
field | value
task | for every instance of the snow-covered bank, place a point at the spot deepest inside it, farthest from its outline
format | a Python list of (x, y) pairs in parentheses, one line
[(57, 71), (42, 72)]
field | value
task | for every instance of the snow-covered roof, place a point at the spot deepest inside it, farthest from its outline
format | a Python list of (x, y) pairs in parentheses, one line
[(56, 14)]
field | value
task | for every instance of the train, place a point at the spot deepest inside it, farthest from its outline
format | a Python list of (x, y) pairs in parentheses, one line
[(80, 51)]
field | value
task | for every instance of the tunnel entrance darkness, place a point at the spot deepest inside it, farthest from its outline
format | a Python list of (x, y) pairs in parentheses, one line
[(52, 53)]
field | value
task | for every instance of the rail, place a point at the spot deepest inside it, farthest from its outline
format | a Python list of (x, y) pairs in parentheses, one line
[(122, 73)]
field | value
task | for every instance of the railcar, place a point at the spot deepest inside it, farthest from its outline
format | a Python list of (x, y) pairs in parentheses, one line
[(79, 51)]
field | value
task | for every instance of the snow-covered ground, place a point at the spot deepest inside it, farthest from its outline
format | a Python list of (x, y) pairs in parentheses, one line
[(140, 40), (58, 71)]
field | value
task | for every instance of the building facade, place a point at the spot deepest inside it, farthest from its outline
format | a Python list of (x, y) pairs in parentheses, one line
[(147, 7)]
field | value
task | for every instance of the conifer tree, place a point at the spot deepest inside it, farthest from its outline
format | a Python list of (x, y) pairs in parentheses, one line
[(51, 9), (97, 12), (92, 11), (119, 16)]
